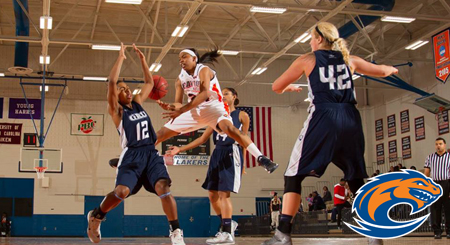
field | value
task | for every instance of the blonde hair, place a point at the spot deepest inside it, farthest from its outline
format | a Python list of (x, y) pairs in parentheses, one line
[(331, 35)]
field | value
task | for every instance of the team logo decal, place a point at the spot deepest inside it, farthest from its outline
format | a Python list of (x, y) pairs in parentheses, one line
[(383, 192)]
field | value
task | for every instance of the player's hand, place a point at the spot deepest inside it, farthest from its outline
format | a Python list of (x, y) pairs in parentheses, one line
[(173, 150), (393, 71), (122, 51), (171, 115), (165, 106), (293, 88), (138, 52)]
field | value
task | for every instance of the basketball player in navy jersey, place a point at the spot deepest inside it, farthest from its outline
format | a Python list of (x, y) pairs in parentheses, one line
[(139, 164), (333, 130), (225, 168), (205, 105)]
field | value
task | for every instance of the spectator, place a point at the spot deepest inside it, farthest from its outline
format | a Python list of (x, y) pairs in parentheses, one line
[(309, 199), (4, 225), (413, 168), (377, 172), (391, 169), (326, 195), (275, 210), (437, 165), (340, 194), (318, 203), (396, 169)]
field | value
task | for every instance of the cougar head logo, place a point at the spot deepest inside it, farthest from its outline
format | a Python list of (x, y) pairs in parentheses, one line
[(383, 192)]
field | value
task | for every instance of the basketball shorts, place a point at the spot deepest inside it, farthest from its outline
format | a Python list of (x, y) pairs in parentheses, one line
[(141, 166), (225, 169), (206, 114), (332, 133)]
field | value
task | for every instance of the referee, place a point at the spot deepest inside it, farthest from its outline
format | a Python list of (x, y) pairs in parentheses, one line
[(438, 166)]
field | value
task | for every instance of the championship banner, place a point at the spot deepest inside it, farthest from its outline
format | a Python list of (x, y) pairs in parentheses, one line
[(86, 124), (443, 126), (18, 108), (1, 107), (379, 129), (392, 150), (380, 153), (392, 131), (404, 120), (10, 133), (419, 123), (442, 55), (406, 147)]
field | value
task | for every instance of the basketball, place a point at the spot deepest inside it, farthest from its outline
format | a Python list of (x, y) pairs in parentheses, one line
[(159, 88)]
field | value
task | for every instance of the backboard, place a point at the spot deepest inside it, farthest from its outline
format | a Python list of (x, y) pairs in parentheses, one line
[(31, 157)]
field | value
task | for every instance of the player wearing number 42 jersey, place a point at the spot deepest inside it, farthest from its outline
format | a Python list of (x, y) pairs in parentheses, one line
[(139, 164), (333, 130), (205, 105)]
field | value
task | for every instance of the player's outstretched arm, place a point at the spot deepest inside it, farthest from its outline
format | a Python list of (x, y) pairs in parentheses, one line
[(113, 100), (292, 74), (148, 79), (178, 98), (174, 150), (363, 67)]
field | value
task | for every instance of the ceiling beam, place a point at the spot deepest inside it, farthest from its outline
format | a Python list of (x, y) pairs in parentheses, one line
[(266, 35), (445, 4), (141, 26), (118, 39), (94, 25), (149, 23), (194, 7), (29, 18), (197, 17), (63, 19)]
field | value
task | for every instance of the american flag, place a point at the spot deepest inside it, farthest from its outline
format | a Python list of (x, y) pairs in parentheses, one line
[(260, 131)]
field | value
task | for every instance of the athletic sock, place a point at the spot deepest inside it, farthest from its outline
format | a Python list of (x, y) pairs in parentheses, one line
[(174, 224), (254, 150), (220, 219), (98, 213), (285, 224), (226, 225)]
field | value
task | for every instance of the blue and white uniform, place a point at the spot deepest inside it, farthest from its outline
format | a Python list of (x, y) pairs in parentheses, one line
[(140, 163), (225, 166), (333, 130)]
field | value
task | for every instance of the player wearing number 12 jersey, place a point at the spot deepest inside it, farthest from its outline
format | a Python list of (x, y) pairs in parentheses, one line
[(140, 163)]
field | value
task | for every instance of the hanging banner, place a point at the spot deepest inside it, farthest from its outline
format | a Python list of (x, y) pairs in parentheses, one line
[(393, 151), (404, 120), (419, 123), (443, 126), (1, 107), (86, 124), (10, 133), (379, 129), (18, 108), (380, 153), (442, 55), (406, 147), (392, 131)]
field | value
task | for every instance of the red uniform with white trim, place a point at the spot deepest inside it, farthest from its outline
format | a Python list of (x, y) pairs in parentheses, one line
[(339, 194), (208, 113)]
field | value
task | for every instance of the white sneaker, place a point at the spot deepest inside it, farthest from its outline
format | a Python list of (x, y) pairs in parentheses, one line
[(234, 226), (374, 241), (93, 229), (176, 237), (223, 238)]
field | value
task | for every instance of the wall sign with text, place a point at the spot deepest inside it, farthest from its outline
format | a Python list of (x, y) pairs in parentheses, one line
[(392, 131), (393, 156), (419, 125), (380, 153), (379, 129), (404, 120)]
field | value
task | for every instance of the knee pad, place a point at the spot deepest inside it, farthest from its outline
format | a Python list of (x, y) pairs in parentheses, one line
[(293, 184)]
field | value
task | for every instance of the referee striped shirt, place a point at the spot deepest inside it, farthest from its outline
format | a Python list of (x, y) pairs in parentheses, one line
[(439, 166)]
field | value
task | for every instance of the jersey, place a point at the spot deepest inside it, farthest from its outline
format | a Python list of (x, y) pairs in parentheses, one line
[(224, 140), (135, 128), (276, 204), (331, 80), (191, 84)]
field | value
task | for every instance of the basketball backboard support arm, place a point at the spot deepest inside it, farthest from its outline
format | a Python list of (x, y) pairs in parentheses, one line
[(42, 136)]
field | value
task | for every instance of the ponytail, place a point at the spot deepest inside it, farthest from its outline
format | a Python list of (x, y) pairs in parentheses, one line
[(210, 56), (340, 45)]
